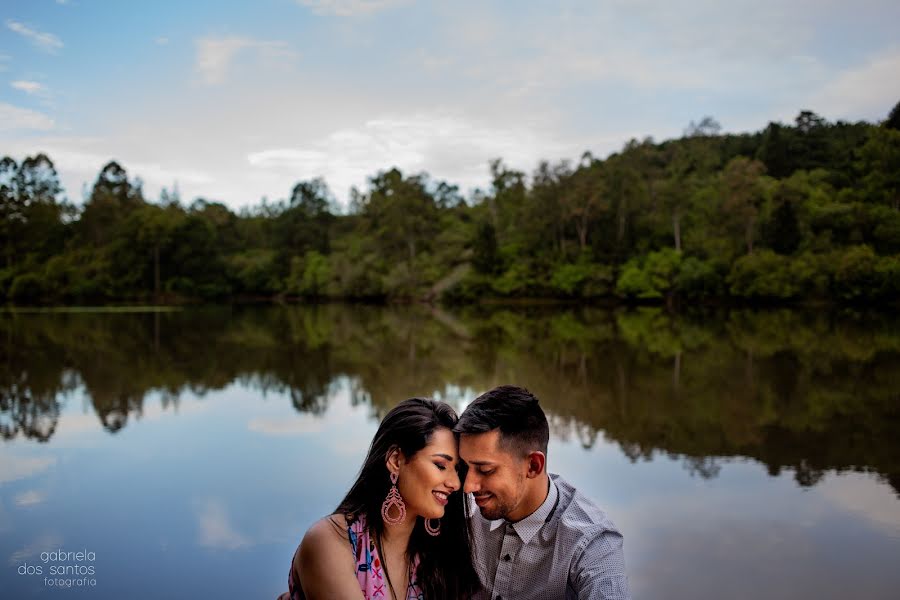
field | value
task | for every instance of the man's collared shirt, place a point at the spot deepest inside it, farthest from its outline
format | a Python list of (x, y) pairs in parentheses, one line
[(566, 549)]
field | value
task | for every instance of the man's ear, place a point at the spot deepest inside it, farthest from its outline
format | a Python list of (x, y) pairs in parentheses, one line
[(536, 464), (393, 459)]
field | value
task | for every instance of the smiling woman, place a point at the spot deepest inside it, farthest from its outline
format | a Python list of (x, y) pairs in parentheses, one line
[(404, 518)]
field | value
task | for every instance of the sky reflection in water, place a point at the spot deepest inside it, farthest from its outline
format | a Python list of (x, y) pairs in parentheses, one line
[(190, 453)]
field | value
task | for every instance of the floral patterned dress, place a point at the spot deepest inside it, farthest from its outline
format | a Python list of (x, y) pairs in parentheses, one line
[(369, 570)]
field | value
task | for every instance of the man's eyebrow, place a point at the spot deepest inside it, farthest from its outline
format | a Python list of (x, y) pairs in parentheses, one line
[(446, 456), (479, 463)]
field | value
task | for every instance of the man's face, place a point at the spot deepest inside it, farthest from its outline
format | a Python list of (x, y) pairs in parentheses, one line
[(496, 478)]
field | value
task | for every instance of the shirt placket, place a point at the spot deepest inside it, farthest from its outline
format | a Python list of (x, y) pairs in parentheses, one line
[(509, 550)]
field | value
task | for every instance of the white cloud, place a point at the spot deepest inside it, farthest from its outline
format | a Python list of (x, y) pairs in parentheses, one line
[(13, 117), (867, 91), (862, 494), (47, 542), (216, 530), (45, 41), (350, 8), (447, 146), (279, 427), (161, 40), (13, 468), (216, 55), (29, 498), (29, 87), (4, 62)]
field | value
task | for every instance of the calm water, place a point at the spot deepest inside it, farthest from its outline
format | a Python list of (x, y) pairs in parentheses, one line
[(743, 454)]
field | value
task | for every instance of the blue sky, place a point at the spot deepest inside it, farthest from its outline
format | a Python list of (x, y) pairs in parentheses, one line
[(236, 101)]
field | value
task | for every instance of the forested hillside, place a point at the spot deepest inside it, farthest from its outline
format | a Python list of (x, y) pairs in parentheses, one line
[(804, 211)]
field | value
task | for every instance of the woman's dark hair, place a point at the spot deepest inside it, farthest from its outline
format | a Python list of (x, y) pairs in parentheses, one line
[(446, 571)]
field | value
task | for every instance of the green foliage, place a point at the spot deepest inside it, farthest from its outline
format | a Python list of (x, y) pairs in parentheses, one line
[(809, 209), (762, 275), (309, 276), (486, 254), (27, 288), (653, 276), (699, 278), (583, 279), (855, 275)]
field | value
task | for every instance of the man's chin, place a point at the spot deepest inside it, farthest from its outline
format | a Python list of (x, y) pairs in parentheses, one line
[(489, 513)]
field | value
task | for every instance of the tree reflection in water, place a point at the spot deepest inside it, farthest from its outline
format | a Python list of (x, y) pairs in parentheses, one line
[(809, 392)]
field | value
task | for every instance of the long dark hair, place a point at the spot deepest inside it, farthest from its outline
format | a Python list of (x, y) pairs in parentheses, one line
[(445, 570)]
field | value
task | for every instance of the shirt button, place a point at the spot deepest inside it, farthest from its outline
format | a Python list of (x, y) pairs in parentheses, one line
[(507, 558)]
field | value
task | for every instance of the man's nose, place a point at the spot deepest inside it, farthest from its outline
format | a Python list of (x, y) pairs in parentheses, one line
[(472, 483)]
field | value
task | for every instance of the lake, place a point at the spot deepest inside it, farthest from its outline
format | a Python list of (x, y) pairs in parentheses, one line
[(183, 452)]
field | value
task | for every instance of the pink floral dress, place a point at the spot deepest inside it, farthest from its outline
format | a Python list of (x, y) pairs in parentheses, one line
[(369, 570)]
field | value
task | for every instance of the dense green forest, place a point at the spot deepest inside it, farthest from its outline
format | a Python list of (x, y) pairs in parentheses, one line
[(807, 211)]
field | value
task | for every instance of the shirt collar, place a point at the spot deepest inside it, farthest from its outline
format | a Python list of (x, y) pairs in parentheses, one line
[(528, 527)]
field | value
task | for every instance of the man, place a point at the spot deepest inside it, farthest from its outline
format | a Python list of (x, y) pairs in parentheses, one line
[(537, 538)]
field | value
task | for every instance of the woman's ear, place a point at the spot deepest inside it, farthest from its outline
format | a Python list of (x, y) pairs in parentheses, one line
[(393, 459)]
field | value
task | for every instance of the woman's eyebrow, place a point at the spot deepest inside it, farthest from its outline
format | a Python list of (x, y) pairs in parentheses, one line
[(446, 456)]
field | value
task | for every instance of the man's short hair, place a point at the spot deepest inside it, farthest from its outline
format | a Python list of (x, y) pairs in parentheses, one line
[(513, 410)]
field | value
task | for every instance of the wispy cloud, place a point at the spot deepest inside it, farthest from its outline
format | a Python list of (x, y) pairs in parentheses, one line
[(44, 543), (448, 146), (4, 62), (13, 468), (278, 427), (216, 530), (350, 8), (216, 55), (13, 118), (29, 498), (30, 87), (872, 87), (45, 41), (161, 40)]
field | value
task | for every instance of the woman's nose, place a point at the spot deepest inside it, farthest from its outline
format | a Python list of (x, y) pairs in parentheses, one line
[(453, 481)]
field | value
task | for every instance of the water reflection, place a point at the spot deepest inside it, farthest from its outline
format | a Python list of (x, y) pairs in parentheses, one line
[(810, 392)]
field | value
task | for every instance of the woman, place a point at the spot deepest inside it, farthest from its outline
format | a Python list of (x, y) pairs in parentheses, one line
[(401, 533)]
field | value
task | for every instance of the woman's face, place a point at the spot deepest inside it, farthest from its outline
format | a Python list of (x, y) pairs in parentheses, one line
[(429, 476)]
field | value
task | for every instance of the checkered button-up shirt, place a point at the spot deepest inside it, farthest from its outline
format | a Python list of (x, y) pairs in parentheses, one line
[(566, 549)]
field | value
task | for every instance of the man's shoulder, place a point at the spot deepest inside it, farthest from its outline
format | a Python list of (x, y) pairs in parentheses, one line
[(580, 515)]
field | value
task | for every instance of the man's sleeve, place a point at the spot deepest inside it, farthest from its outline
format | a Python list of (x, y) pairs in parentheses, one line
[(598, 573)]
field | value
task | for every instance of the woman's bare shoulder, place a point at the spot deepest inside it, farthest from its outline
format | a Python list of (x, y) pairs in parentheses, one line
[(327, 535), (324, 564)]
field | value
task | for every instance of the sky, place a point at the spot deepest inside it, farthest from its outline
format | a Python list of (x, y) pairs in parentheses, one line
[(236, 101)]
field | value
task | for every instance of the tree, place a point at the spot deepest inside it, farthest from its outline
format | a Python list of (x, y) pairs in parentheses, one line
[(507, 197), (784, 230), (156, 229), (692, 161), (706, 127), (486, 256), (112, 198), (11, 215), (586, 195), (880, 165), (893, 120), (402, 216), (743, 194)]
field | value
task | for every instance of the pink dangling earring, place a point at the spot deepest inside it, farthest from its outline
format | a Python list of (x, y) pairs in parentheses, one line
[(433, 530), (393, 500)]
